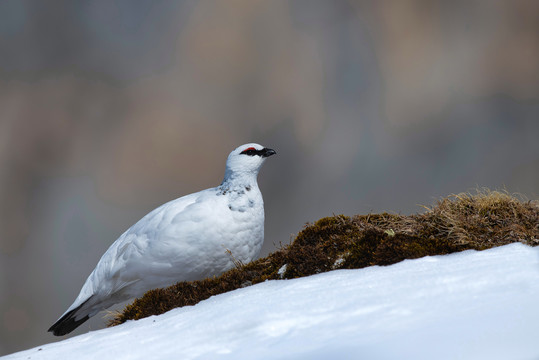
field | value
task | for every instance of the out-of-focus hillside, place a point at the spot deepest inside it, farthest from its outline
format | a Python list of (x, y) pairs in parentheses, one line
[(108, 109)]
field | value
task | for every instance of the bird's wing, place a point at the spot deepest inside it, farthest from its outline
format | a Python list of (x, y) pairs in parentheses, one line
[(113, 271), (169, 243)]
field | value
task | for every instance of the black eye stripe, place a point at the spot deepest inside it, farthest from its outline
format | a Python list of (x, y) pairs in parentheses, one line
[(265, 152), (253, 152)]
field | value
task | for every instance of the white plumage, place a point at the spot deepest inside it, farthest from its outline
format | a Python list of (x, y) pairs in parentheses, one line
[(190, 238)]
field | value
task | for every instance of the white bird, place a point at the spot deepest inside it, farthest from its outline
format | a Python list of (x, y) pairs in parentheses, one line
[(190, 238)]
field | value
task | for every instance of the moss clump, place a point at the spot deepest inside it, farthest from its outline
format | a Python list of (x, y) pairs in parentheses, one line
[(459, 222)]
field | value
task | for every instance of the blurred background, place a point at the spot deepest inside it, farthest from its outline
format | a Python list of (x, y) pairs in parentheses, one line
[(109, 108)]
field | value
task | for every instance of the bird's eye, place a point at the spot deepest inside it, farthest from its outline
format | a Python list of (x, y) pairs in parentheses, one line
[(249, 151)]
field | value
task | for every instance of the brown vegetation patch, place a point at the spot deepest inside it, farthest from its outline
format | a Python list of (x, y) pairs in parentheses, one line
[(459, 222)]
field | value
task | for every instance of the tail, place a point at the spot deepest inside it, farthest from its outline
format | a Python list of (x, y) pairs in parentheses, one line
[(70, 320)]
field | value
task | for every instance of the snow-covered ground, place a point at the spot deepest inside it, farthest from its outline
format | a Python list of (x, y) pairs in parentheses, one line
[(470, 305)]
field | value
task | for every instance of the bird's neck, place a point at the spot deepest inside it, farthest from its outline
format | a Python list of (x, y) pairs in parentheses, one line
[(239, 180)]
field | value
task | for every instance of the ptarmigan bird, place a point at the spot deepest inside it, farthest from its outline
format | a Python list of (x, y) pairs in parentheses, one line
[(190, 238)]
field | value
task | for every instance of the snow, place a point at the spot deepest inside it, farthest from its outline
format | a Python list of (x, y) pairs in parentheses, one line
[(470, 305)]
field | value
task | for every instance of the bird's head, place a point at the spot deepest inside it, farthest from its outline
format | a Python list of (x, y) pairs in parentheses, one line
[(247, 159)]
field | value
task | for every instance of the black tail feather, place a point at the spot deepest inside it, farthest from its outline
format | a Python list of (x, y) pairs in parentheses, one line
[(67, 323)]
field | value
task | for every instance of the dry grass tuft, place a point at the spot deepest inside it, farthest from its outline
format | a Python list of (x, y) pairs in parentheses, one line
[(485, 219), (459, 222)]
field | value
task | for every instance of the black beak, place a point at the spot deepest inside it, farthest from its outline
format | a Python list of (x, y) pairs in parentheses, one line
[(268, 152)]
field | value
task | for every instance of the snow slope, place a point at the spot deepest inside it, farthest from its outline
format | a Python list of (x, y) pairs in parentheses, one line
[(470, 305)]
